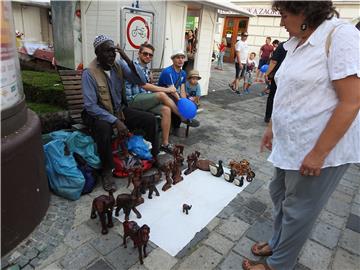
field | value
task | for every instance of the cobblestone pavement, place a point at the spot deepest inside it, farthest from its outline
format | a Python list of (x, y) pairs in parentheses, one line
[(231, 128)]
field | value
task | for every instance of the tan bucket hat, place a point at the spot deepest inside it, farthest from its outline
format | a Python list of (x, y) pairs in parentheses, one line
[(194, 73)]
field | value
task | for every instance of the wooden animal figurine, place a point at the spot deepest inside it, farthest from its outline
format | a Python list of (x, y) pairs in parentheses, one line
[(104, 205), (127, 202), (239, 182), (217, 170), (135, 178), (167, 169), (191, 161), (140, 236), (176, 171), (149, 179), (203, 164), (229, 177), (250, 176), (178, 153), (186, 208)]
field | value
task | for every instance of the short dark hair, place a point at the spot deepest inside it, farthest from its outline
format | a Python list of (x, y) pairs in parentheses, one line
[(315, 12), (275, 41), (146, 45), (268, 38), (253, 54)]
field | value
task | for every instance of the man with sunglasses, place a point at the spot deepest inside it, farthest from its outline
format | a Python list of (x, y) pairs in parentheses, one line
[(152, 98), (105, 105)]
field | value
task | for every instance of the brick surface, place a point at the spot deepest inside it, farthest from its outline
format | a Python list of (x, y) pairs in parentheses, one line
[(159, 259), (353, 223), (260, 231), (79, 235), (100, 265), (326, 235), (232, 262), (337, 207), (123, 258), (190, 246), (345, 260), (332, 219), (201, 259), (315, 256), (104, 244), (232, 228), (243, 248), (81, 257), (219, 243), (350, 241), (254, 186)]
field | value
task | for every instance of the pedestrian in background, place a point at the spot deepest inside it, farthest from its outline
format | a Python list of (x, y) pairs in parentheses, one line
[(222, 48), (314, 132), (265, 53)]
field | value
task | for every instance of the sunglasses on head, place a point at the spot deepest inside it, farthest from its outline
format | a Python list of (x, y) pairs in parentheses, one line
[(147, 54)]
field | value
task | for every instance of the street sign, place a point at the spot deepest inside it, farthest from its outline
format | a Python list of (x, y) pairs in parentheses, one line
[(138, 29)]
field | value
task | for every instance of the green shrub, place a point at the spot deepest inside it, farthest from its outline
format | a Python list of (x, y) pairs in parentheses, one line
[(41, 108), (43, 87)]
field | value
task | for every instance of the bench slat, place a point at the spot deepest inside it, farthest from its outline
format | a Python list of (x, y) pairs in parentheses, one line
[(69, 72), (73, 92), (70, 78), (73, 87), (72, 82)]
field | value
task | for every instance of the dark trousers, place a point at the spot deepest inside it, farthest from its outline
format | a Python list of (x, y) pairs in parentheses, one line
[(270, 100), (135, 120)]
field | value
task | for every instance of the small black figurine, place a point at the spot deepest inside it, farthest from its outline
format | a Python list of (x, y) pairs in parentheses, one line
[(229, 177), (186, 208), (217, 170), (239, 182)]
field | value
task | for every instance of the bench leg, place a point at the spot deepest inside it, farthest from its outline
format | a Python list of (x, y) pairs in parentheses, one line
[(187, 131)]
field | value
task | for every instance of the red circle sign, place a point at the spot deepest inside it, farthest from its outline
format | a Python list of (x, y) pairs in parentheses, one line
[(138, 32)]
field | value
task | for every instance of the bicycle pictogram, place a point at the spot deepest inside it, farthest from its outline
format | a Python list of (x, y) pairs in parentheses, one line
[(139, 31)]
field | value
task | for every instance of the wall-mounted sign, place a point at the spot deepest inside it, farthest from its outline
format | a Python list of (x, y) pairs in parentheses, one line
[(137, 28), (255, 11)]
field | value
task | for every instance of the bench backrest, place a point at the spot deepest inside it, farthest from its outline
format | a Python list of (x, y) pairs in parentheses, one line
[(71, 79)]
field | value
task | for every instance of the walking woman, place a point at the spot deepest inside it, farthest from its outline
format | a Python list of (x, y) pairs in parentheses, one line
[(314, 133), (222, 48)]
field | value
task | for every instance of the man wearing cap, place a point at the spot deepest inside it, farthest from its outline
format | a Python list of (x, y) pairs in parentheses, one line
[(152, 98), (241, 54), (175, 76), (105, 105)]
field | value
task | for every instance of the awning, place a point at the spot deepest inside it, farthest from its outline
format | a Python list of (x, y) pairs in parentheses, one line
[(227, 6)]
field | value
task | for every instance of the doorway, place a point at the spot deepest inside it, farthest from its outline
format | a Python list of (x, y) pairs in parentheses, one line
[(233, 27)]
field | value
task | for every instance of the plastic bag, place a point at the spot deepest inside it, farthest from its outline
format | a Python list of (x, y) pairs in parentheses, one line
[(137, 146)]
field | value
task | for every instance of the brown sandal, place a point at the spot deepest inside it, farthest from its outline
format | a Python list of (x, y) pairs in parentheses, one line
[(259, 247), (254, 263)]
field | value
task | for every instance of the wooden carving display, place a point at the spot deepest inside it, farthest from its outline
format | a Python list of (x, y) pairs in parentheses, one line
[(176, 168), (243, 168), (149, 179), (186, 208), (127, 202), (217, 170), (229, 177), (104, 205), (167, 169), (139, 235), (203, 164), (192, 161), (135, 178), (239, 182)]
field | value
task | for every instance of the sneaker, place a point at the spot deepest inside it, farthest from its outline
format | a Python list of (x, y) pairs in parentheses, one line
[(192, 122), (239, 93), (169, 148)]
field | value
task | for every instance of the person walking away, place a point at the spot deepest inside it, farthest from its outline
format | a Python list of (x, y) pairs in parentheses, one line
[(222, 48), (314, 131)]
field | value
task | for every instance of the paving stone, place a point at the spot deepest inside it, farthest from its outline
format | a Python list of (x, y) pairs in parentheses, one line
[(246, 215), (213, 223), (232, 228), (353, 223), (350, 184), (219, 243), (159, 259), (226, 212), (299, 266), (100, 265), (355, 209), (27, 267), (14, 267), (345, 260), (78, 236), (79, 258), (123, 258), (138, 266), (341, 196), (35, 262), (357, 198), (201, 259), (345, 189), (315, 256), (326, 235), (254, 186), (350, 241), (256, 205), (332, 219), (232, 262), (337, 207), (53, 266), (199, 236), (243, 248), (260, 231), (104, 244)]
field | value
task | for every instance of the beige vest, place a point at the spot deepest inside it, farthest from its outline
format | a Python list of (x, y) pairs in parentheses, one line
[(103, 91)]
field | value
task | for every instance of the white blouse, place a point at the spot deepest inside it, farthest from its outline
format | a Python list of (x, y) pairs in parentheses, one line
[(305, 97)]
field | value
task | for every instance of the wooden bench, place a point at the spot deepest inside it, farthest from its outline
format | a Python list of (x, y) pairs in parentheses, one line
[(71, 80)]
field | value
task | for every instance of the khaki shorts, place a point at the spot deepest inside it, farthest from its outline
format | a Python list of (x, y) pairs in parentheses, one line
[(146, 102)]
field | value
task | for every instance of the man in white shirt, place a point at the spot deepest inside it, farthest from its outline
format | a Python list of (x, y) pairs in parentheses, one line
[(241, 54)]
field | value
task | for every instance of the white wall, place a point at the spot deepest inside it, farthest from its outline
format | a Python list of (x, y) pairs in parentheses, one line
[(207, 23)]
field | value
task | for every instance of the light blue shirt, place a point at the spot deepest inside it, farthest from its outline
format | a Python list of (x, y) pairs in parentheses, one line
[(133, 89), (192, 91)]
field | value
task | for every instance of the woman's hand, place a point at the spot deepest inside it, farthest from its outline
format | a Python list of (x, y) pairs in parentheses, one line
[(312, 164), (266, 141)]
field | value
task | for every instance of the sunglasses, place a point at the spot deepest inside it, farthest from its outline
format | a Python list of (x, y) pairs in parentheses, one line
[(147, 54)]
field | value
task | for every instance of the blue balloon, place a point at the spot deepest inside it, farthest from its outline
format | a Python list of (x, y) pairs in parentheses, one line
[(187, 108), (264, 68)]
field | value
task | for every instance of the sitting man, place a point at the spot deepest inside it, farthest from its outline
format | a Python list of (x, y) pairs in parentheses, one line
[(105, 105), (175, 76), (152, 98)]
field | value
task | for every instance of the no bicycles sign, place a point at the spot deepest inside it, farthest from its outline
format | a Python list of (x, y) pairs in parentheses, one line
[(138, 29)]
